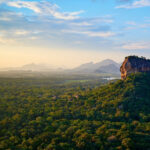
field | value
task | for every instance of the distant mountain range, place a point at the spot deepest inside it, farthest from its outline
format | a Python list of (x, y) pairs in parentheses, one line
[(105, 66), (37, 67), (32, 67)]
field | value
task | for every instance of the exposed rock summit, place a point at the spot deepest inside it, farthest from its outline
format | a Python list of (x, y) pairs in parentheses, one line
[(134, 64)]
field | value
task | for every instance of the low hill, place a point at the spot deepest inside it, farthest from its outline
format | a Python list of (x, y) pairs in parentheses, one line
[(124, 109), (130, 95)]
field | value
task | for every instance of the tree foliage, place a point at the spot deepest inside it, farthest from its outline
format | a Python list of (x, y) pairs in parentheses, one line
[(37, 114)]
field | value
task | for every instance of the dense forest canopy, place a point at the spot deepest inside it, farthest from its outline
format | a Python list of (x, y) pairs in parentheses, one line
[(38, 114)]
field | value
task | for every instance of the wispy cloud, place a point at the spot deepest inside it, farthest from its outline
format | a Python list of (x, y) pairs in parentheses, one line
[(44, 26), (136, 46), (136, 4), (131, 23), (147, 19), (84, 23), (6, 15), (3, 1), (14, 36), (95, 21), (90, 33), (22, 27), (4, 40), (45, 8), (100, 34), (26, 4), (134, 25), (21, 32), (5, 19)]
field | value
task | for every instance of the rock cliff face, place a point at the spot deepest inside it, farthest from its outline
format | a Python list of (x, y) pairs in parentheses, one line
[(134, 64)]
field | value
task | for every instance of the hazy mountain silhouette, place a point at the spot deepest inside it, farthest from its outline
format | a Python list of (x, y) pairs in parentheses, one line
[(31, 67), (105, 66)]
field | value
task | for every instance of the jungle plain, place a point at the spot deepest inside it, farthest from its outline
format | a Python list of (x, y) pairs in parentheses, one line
[(70, 112)]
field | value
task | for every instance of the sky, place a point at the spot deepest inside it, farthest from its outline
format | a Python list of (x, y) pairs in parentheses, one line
[(67, 33)]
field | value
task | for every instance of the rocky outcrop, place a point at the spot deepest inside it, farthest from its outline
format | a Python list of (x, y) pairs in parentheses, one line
[(134, 64)]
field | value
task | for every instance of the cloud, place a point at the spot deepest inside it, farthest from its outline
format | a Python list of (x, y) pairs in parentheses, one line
[(6, 15), (147, 19), (25, 4), (136, 4), (28, 29), (90, 22), (82, 23), (21, 32), (3, 1), (92, 27), (91, 34), (45, 8), (134, 25), (100, 34), (136, 46), (5, 19), (131, 23), (4, 40)]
